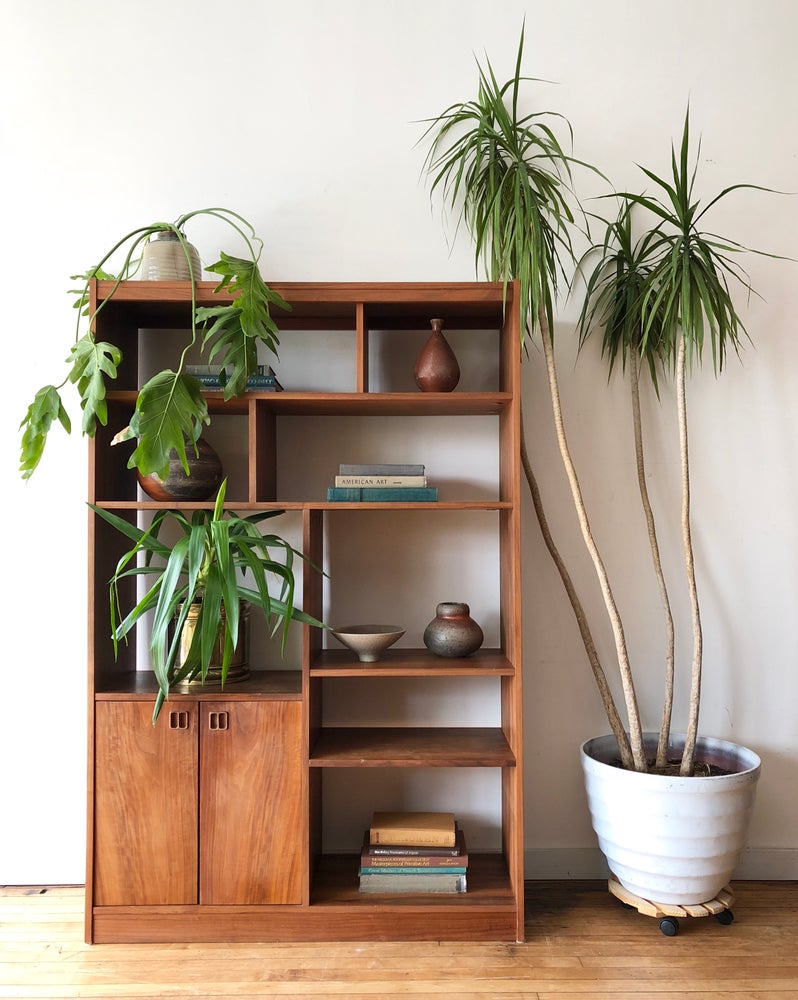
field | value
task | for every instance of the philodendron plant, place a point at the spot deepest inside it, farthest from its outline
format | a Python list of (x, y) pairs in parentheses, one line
[(507, 177), (170, 409), (219, 560)]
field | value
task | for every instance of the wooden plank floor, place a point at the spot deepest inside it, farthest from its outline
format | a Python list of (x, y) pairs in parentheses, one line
[(581, 944)]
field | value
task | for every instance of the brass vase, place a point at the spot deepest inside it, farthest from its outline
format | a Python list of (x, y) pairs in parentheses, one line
[(238, 669)]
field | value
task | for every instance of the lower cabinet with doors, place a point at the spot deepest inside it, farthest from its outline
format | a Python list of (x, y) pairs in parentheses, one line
[(203, 808)]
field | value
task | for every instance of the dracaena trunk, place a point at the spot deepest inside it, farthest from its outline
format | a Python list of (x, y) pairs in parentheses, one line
[(667, 708), (616, 725), (630, 697), (688, 757)]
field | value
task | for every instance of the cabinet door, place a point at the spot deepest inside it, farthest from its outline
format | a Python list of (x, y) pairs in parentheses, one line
[(145, 816), (250, 802)]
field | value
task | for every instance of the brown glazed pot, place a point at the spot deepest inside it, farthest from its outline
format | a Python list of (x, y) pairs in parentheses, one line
[(453, 632), (205, 478)]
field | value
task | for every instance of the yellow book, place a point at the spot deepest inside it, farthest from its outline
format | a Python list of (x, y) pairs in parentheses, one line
[(419, 829)]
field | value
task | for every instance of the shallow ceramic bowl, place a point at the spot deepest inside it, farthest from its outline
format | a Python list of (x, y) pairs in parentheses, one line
[(368, 641)]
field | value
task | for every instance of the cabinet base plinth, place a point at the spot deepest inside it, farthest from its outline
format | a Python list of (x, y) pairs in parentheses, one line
[(166, 925)]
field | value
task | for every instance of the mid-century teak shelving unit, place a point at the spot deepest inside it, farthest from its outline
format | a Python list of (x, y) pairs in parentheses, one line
[(209, 830)]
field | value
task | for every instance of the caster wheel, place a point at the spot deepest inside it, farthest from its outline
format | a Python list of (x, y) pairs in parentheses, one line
[(669, 926), (725, 917)]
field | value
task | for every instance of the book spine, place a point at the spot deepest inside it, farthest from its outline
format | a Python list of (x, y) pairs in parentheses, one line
[(408, 494), (417, 838), (417, 870), (380, 481), (385, 469), (214, 380), (426, 862), (412, 883), (387, 852), (215, 371)]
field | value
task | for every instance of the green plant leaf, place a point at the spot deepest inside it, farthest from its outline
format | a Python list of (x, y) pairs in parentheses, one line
[(35, 425), (92, 363), (170, 411), (232, 332)]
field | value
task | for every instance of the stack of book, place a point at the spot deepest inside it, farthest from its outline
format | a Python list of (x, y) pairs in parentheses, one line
[(413, 852), (382, 482), (213, 378)]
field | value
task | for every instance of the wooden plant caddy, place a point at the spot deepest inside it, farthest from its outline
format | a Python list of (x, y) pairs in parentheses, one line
[(670, 913)]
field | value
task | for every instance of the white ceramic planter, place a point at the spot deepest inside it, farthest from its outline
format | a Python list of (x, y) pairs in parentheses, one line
[(666, 838)]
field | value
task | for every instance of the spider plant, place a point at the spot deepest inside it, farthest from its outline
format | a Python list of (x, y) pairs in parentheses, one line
[(210, 565), (659, 300), (170, 408)]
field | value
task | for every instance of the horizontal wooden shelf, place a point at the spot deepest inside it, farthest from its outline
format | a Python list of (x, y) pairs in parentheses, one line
[(398, 662), (410, 747), (324, 305), (242, 506), (335, 881), (140, 685), (349, 404)]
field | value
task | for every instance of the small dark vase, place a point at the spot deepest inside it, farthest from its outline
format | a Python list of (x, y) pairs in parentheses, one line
[(205, 476), (436, 368), (453, 632)]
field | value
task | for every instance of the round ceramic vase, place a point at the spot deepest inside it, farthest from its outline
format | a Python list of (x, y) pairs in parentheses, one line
[(453, 632), (204, 479), (666, 838)]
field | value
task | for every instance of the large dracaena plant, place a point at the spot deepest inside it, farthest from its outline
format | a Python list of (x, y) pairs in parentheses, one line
[(614, 293), (170, 409), (508, 178), (659, 299), (216, 555)]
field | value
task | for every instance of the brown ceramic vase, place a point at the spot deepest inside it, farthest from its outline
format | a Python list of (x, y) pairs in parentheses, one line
[(453, 632), (436, 368)]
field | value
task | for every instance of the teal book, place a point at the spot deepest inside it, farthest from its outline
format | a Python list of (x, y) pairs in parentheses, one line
[(406, 494)]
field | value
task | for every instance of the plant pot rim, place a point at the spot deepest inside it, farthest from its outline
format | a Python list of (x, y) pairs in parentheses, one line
[(742, 762)]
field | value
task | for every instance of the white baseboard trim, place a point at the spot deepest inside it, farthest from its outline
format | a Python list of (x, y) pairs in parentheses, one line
[(757, 863)]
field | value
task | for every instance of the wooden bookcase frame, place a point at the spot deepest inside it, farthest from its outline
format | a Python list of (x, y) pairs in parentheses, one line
[(324, 903)]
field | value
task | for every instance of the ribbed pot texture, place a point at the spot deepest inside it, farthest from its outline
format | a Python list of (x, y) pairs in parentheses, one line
[(670, 839)]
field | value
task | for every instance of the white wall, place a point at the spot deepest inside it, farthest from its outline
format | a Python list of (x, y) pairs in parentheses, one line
[(304, 117)]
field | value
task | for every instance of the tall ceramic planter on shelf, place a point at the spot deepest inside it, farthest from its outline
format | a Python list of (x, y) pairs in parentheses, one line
[(666, 838), (164, 259)]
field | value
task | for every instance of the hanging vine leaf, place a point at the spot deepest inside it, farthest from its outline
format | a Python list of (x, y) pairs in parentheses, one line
[(92, 363), (45, 408)]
